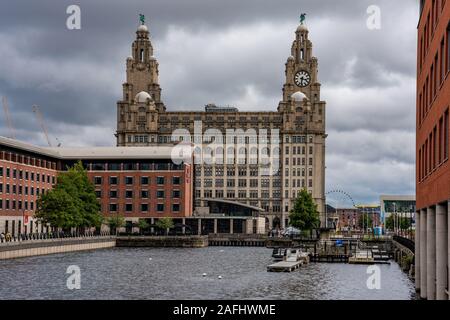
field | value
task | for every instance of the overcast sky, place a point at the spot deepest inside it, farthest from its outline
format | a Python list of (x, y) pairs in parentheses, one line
[(227, 52)]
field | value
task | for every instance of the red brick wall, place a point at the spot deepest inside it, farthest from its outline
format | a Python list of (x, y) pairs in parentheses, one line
[(6, 162), (433, 100)]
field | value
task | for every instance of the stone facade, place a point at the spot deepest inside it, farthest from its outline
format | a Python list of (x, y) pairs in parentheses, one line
[(296, 129)]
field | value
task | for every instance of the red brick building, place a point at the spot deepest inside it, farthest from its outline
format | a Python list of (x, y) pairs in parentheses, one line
[(134, 182), (432, 149)]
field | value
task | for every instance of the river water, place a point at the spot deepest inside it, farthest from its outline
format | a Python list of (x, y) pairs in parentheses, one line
[(170, 273)]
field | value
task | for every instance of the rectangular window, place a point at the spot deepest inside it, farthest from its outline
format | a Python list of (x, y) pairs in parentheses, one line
[(97, 180), (98, 193), (113, 180), (176, 194), (1, 171), (113, 194), (160, 207), (129, 194), (113, 207), (176, 207), (144, 194), (447, 62), (128, 207), (144, 207), (160, 180), (160, 194), (128, 180), (442, 64), (446, 134), (176, 180), (144, 180)]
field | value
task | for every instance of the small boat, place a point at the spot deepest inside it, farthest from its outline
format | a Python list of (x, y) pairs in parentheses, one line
[(278, 254)]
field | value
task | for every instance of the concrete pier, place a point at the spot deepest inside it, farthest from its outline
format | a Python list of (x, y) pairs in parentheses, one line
[(441, 252), (30, 248), (423, 254), (431, 253), (417, 252)]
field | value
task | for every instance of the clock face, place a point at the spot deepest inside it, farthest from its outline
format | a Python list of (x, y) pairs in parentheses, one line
[(302, 78)]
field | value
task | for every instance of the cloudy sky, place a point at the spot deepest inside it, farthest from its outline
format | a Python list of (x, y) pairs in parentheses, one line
[(227, 52)]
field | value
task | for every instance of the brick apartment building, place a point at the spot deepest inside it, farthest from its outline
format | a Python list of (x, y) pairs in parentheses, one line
[(432, 150)]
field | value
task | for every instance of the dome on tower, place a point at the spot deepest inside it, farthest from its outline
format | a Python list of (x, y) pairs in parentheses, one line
[(142, 97), (142, 27), (298, 96), (302, 28)]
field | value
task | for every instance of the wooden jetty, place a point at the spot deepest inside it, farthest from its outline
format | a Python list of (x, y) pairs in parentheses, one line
[(292, 261), (284, 266)]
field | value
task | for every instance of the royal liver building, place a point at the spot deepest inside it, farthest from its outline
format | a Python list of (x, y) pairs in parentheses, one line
[(246, 162)]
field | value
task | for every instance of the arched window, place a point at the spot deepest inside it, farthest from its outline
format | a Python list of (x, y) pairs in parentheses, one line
[(141, 55)]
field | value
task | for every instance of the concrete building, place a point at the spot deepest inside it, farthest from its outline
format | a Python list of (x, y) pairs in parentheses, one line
[(403, 206), (231, 147), (432, 237)]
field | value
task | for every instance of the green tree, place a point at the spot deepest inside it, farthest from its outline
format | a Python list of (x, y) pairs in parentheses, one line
[(115, 222), (304, 214), (143, 225), (165, 224), (72, 203)]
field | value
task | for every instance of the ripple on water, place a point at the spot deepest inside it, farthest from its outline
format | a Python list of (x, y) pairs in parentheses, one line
[(171, 273)]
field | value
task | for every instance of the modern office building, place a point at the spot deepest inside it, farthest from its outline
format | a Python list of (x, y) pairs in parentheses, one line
[(432, 151), (258, 160), (136, 183)]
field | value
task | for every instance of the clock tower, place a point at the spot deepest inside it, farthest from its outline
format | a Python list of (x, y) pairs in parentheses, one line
[(137, 111), (303, 129), (301, 69)]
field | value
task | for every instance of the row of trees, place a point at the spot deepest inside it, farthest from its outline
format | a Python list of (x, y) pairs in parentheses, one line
[(72, 203), (117, 222)]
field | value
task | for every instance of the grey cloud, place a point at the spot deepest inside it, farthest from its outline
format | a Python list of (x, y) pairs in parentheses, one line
[(228, 52)]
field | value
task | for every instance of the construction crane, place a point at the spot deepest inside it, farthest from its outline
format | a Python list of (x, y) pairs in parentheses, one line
[(8, 119), (41, 122)]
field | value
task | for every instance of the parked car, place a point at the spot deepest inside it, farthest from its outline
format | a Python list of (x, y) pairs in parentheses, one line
[(291, 232)]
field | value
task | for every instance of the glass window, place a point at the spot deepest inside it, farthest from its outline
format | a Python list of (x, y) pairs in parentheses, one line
[(175, 207), (113, 207), (160, 180), (176, 180), (144, 207), (128, 180), (145, 180), (144, 194), (160, 194), (128, 207), (160, 207), (113, 194), (97, 180), (113, 180), (176, 194), (129, 194)]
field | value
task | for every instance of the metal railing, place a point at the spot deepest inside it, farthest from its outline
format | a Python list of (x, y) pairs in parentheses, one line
[(7, 238), (408, 243)]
